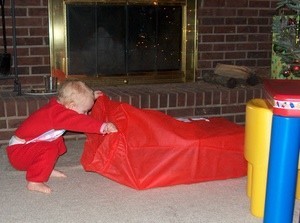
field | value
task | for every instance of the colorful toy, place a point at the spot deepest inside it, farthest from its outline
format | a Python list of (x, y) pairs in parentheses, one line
[(259, 116), (257, 144)]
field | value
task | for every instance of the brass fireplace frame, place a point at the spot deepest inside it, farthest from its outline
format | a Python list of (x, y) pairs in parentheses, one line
[(189, 53)]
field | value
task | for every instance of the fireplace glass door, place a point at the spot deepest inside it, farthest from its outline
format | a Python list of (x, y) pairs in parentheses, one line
[(113, 40)]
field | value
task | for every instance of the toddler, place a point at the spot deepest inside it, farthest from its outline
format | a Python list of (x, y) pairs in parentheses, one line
[(38, 141)]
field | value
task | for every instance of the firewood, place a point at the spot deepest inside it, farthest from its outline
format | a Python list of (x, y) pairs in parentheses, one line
[(230, 82), (220, 80), (240, 72)]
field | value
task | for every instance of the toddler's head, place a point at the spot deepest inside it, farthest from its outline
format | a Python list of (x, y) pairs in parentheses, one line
[(76, 95)]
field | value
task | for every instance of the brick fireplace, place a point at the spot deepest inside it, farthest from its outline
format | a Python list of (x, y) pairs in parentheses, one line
[(228, 31)]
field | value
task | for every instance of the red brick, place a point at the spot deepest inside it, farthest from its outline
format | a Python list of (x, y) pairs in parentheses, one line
[(225, 97), (5, 135), (207, 111), (258, 21), (236, 38), (224, 47), (185, 112), (225, 29), (212, 21), (259, 4), (125, 98), (27, 3), (10, 107), (257, 54), (235, 3), (30, 60), (236, 21), (207, 98), (247, 29), (233, 109), (229, 117), (32, 106), (233, 96), (135, 101), (145, 100), (249, 63), (181, 99), (239, 118), (3, 124), (42, 101), (39, 51), (216, 100), (172, 100), (237, 54), (37, 12), (154, 100), (227, 13), (29, 22), (190, 99), (211, 55), (241, 96), (2, 111), (41, 70), (22, 107), (247, 12), (31, 41), (163, 100), (14, 123), (212, 38), (200, 99), (205, 64), (247, 46), (215, 3)]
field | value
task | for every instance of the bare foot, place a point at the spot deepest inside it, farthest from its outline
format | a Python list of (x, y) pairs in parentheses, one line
[(39, 187), (56, 173)]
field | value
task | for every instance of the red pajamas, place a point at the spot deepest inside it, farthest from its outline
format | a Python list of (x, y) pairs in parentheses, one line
[(37, 149), (37, 158)]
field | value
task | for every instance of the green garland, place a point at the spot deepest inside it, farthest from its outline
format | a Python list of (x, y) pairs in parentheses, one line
[(286, 42), (290, 4)]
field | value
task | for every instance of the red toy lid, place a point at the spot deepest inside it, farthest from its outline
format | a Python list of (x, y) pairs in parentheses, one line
[(284, 96)]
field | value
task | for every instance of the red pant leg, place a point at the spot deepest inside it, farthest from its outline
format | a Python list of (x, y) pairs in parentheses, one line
[(38, 158)]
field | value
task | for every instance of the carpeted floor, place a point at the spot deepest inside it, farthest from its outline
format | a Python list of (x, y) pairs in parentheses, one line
[(89, 197)]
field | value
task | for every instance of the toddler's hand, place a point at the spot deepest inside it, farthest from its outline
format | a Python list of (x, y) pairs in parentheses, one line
[(97, 94), (108, 127)]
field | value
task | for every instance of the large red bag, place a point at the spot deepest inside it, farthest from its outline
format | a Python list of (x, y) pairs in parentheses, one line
[(152, 149)]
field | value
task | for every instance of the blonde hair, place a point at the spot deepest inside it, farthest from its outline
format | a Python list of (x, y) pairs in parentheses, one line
[(74, 91)]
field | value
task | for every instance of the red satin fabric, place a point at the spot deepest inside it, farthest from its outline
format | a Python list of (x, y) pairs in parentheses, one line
[(152, 149)]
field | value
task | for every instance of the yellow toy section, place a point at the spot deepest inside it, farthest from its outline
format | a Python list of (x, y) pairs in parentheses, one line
[(257, 145)]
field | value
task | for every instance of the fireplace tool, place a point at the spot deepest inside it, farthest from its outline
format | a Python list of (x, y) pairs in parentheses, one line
[(5, 58)]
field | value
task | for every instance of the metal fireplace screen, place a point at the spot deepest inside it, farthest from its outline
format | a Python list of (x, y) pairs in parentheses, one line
[(123, 41)]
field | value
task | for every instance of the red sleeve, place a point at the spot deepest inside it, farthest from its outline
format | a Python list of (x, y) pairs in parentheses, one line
[(55, 116), (70, 120)]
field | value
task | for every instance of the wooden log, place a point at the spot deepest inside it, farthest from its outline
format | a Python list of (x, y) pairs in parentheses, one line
[(253, 80), (240, 72), (221, 80), (230, 82)]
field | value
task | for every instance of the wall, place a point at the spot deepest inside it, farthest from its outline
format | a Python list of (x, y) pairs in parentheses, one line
[(230, 31), (32, 40), (235, 32)]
